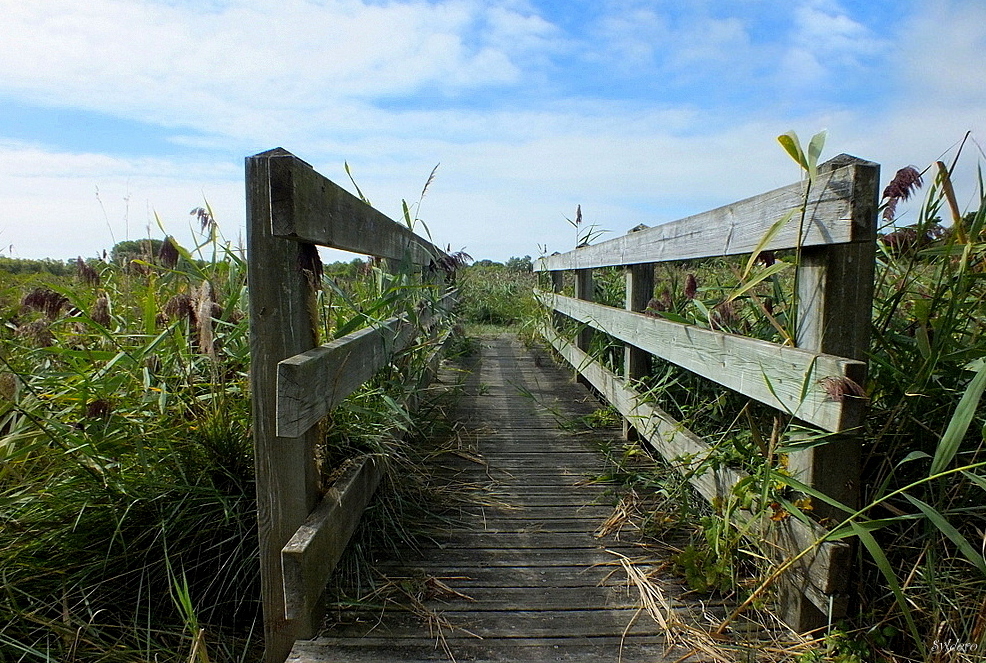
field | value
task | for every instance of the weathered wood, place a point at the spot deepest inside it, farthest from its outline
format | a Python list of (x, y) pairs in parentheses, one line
[(822, 572), (636, 361), (311, 208), (737, 228), (783, 377), (585, 291), (835, 300), (317, 546), (310, 384), (526, 549), (281, 301)]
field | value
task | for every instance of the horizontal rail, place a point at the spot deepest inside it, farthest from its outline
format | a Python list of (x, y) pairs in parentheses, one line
[(821, 572), (308, 207), (830, 218), (783, 377), (311, 383), (312, 553)]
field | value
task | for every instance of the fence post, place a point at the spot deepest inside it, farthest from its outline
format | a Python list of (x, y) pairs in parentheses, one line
[(584, 289), (835, 304), (636, 362), (282, 300)]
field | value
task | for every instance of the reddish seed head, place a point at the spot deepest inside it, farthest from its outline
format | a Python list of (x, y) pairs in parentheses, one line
[(691, 286), (905, 182), (168, 254), (87, 274), (838, 387)]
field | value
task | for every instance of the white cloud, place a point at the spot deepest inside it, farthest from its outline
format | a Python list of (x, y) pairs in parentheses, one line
[(941, 57), (508, 177), (250, 64), (60, 204), (825, 41)]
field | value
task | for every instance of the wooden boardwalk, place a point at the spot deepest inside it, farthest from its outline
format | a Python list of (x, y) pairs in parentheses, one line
[(525, 578)]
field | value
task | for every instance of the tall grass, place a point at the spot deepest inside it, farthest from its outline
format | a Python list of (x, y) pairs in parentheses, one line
[(127, 496)]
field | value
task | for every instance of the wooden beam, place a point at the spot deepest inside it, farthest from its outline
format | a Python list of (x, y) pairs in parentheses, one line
[(783, 377), (834, 303), (281, 301), (311, 208), (738, 228), (311, 383), (317, 546), (636, 362)]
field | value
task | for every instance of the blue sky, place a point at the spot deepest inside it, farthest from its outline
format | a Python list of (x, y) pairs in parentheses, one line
[(113, 112)]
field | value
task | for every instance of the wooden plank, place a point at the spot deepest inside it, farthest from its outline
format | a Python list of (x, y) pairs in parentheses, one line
[(311, 383), (531, 624), (310, 556), (518, 554), (633, 649), (686, 452), (281, 300), (585, 291), (738, 227), (639, 283), (768, 372), (835, 301), (311, 208)]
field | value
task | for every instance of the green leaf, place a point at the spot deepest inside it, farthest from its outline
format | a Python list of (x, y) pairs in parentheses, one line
[(767, 239), (976, 479), (808, 490), (776, 268), (876, 552), (815, 146), (959, 424), (789, 141), (358, 191), (949, 530)]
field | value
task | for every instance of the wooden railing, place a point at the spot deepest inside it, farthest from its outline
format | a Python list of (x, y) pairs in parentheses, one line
[(303, 526), (837, 235)]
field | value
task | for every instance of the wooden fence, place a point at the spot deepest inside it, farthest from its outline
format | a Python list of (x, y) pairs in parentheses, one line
[(304, 526), (837, 235)]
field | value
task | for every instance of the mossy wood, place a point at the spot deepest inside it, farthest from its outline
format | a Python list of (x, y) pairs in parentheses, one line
[(787, 378), (831, 217)]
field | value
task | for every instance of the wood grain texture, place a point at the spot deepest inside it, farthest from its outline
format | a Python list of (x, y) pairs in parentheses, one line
[(533, 578), (770, 373), (281, 298), (821, 572), (639, 288), (311, 555), (311, 383), (738, 227), (311, 208)]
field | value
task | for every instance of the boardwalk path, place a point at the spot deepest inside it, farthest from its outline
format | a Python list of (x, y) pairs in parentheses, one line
[(530, 580)]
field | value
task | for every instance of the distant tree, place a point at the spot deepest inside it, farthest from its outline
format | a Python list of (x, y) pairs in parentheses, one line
[(515, 264), (43, 266), (487, 263), (135, 249)]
